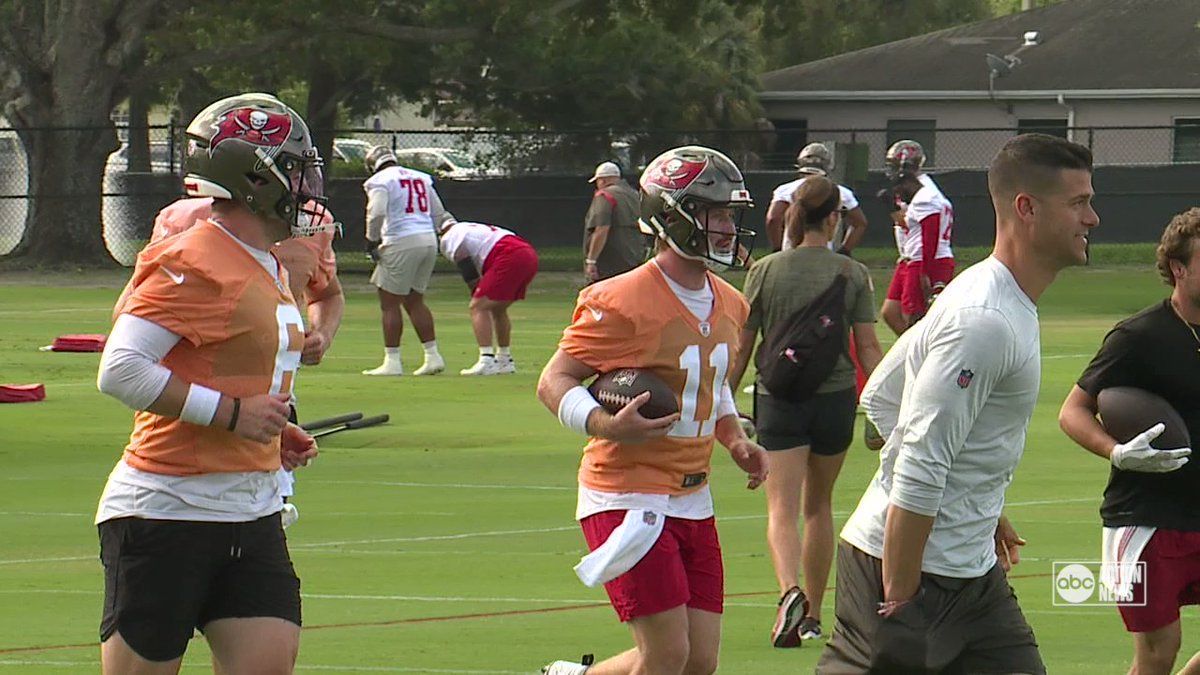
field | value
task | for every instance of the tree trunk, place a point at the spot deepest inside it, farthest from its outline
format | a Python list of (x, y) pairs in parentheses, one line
[(322, 109), (138, 138)]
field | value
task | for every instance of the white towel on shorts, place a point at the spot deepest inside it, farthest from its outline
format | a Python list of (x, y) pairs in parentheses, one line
[(625, 546), (1121, 549)]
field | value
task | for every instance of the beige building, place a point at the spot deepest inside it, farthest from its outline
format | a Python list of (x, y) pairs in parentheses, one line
[(1077, 68)]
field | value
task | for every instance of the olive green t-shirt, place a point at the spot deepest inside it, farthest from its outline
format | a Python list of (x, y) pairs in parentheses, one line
[(779, 284)]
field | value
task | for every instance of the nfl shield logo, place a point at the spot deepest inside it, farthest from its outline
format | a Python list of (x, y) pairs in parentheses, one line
[(649, 518), (964, 378)]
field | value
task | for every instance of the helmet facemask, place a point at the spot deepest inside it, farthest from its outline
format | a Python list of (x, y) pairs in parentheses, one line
[(692, 230)]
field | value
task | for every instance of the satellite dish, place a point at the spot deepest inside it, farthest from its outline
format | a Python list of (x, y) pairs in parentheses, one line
[(998, 65)]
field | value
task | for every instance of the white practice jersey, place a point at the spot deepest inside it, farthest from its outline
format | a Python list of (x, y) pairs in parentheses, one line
[(411, 199), (929, 201), (972, 369), (881, 395), (784, 193), (471, 240)]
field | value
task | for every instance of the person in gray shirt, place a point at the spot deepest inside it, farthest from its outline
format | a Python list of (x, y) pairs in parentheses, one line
[(806, 439), (921, 578), (612, 242)]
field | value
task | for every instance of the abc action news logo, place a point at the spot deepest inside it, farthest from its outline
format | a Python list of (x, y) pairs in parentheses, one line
[(1099, 584)]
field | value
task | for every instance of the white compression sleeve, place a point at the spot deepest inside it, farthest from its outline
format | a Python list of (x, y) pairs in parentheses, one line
[(129, 369), (377, 206), (726, 405)]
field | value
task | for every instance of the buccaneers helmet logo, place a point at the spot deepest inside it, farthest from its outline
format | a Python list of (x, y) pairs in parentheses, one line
[(251, 125), (675, 173)]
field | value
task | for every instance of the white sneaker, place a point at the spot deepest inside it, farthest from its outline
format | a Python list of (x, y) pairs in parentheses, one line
[(505, 366), (432, 366), (289, 515), (567, 667), (388, 368), (481, 367)]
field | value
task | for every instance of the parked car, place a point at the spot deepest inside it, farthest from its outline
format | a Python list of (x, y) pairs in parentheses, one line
[(350, 150), (445, 163)]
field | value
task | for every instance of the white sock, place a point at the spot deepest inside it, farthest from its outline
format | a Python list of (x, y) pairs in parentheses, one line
[(486, 353), (430, 348), (391, 354), (504, 353)]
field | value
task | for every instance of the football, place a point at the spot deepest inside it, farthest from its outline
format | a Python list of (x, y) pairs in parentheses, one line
[(616, 388), (1126, 412)]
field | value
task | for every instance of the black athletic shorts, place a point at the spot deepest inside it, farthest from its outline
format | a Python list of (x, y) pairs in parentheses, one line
[(953, 627), (165, 578), (824, 422)]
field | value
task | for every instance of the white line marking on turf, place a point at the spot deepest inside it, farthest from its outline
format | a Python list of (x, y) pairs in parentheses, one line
[(441, 537), (1065, 356), (318, 667), (24, 561), (468, 486), (42, 513)]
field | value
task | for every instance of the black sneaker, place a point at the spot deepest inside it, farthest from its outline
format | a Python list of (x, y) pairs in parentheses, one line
[(809, 629), (793, 607)]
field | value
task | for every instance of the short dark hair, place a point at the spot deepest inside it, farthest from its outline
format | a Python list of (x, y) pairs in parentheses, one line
[(1177, 243), (1031, 162)]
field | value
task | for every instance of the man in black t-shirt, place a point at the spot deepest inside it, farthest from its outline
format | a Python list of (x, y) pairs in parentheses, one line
[(1151, 508)]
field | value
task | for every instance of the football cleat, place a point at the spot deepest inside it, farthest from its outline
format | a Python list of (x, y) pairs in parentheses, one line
[(432, 366), (484, 366), (568, 667), (505, 366), (388, 368)]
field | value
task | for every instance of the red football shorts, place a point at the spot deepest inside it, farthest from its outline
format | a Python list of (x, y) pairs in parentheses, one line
[(507, 271), (682, 568), (912, 300), (1172, 580), (896, 285)]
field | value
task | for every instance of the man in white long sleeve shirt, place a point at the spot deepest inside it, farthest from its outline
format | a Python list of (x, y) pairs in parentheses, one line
[(929, 531), (403, 212)]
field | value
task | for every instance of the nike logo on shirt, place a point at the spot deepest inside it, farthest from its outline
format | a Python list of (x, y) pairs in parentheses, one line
[(596, 314), (175, 276)]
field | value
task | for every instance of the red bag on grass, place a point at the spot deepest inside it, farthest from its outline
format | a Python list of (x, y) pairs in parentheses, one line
[(22, 393)]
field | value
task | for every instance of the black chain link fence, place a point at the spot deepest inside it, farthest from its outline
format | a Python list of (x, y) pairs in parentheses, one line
[(137, 182)]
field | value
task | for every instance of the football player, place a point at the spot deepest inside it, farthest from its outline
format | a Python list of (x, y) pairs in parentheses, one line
[(312, 275), (924, 225), (815, 159), (644, 502), (497, 266), (205, 347), (403, 211)]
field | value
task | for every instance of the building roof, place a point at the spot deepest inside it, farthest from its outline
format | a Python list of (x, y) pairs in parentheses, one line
[(1098, 47)]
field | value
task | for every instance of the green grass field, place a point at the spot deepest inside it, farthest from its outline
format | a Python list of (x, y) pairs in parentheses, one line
[(443, 542)]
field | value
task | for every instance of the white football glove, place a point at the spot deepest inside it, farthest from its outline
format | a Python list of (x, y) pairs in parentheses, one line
[(1137, 455)]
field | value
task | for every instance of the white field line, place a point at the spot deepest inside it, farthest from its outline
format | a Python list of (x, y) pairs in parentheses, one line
[(59, 310), (314, 667), (496, 533), (442, 486), (1066, 356), (29, 561), (44, 513)]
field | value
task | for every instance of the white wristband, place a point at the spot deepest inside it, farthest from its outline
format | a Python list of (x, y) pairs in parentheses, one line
[(200, 406), (575, 407)]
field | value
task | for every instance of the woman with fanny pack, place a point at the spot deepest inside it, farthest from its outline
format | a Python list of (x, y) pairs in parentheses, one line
[(806, 439)]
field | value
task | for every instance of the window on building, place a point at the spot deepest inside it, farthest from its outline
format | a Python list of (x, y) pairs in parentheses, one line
[(1187, 140), (790, 136), (1053, 127), (921, 131)]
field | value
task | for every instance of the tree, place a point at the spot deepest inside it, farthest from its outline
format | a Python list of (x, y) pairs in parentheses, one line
[(66, 63)]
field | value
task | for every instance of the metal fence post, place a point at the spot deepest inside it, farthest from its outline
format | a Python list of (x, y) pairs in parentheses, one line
[(1091, 137)]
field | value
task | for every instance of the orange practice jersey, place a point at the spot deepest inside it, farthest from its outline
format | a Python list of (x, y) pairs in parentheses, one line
[(310, 261), (242, 336), (635, 320)]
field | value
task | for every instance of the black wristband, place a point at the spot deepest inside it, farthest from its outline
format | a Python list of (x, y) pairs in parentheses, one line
[(237, 407)]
